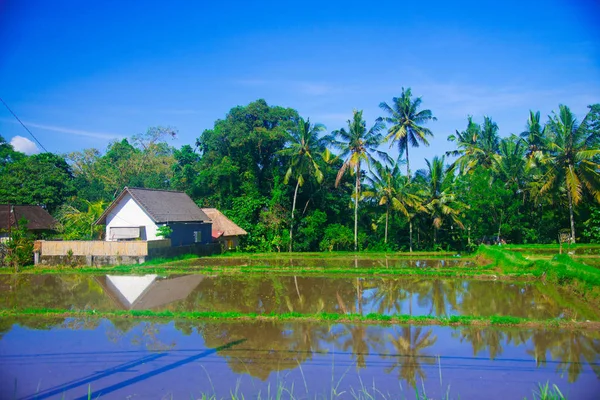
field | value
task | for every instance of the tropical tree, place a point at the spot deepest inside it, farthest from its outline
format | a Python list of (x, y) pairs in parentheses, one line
[(395, 192), (477, 145), (357, 145), (441, 202), (512, 167), (405, 122), (533, 136), (384, 186), (304, 145), (79, 225), (572, 161)]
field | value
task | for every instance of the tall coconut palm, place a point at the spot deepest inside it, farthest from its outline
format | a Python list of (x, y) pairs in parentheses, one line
[(357, 145), (441, 202), (405, 123), (388, 188), (533, 135), (571, 160), (304, 145), (512, 167), (478, 145)]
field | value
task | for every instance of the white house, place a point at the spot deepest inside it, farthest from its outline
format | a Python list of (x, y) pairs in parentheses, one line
[(138, 213)]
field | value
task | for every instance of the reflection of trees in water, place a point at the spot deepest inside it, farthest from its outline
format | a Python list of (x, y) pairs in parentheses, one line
[(389, 296), (358, 340), (482, 339), (268, 346), (143, 334), (409, 345), (439, 293), (571, 349), (71, 291), (265, 294)]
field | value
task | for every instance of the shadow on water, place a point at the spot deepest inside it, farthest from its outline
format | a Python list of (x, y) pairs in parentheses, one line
[(126, 367)]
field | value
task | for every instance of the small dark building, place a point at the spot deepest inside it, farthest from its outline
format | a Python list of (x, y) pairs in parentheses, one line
[(38, 219)]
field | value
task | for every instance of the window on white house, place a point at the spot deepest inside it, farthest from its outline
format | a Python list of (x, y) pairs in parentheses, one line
[(198, 236), (124, 233)]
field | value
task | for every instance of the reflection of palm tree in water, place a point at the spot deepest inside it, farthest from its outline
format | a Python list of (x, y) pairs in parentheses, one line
[(440, 293), (409, 346), (568, 348), (389, 295), (355, 337), (481, 339)]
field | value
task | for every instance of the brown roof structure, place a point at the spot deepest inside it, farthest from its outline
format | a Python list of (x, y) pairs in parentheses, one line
[(37, 218), (221, 225), (161, 205)]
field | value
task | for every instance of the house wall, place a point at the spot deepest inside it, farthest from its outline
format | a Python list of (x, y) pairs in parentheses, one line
[(129, 214), (183, 233)]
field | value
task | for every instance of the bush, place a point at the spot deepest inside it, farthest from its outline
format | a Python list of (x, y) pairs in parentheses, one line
[(337, 237), (19, 247), (164, 231)]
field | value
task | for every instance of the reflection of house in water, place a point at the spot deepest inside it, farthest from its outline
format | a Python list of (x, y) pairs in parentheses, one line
[(148, 291)]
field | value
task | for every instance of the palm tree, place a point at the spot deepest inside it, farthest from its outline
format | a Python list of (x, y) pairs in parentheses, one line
[(304, 145), (571, 159), (390, 189), (405, 122), (477, 145), (533, 134), (357, 145), (79, 225), (441, 202), (512, 166)]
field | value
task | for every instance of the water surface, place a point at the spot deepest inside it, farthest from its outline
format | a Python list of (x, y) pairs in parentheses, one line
[(124, 358), (280, 294)]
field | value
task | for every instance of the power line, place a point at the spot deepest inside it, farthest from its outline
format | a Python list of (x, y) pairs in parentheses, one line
[(22, 124)]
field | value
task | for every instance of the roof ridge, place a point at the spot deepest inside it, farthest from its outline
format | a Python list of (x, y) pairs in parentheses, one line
[(155, 190)]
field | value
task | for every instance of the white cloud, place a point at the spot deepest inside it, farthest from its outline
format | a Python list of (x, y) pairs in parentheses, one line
[(78, 132), (24, 145)]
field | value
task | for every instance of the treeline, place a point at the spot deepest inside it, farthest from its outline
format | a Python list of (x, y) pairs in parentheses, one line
[(294, 185)]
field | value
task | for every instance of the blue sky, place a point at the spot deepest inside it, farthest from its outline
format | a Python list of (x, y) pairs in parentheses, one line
[(80, 74)]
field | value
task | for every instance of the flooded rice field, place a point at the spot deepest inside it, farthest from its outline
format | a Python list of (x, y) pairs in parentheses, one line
[(282, 294), (126, 358)]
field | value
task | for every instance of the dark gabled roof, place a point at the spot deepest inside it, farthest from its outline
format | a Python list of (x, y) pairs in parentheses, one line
[(161, 205), (37, 218)]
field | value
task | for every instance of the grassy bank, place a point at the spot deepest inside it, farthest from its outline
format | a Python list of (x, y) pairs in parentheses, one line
[(561, 270), (373, 318)]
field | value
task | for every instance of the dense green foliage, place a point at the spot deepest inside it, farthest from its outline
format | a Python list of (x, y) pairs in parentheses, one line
[(287, 182), (17, 251)]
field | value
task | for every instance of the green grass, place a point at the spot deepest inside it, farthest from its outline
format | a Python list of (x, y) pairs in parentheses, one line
[(561, 270), (373, 318)]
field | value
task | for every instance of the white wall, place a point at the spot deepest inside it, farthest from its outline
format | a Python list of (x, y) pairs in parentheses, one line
[(129, 214)]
